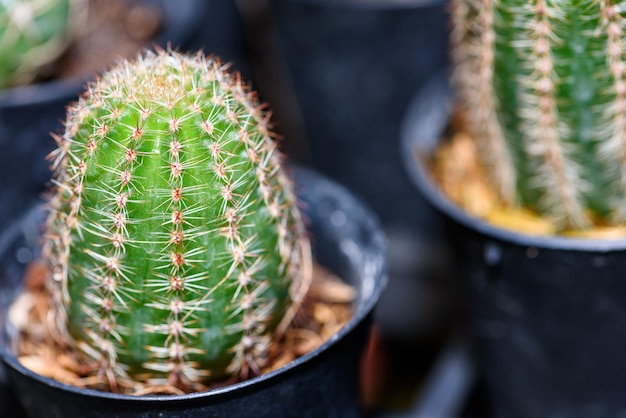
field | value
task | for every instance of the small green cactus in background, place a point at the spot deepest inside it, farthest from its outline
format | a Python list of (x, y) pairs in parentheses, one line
[(175, 242), (34, 33), (544, 87)]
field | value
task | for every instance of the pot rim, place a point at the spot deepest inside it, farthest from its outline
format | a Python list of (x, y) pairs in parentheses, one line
[(178, 26), (425, 120), (363, 310)]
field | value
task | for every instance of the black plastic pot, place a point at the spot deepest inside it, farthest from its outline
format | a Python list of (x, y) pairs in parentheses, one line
[(548, 313), (220, 33), (354, 66), (29, 114), (346, 238)]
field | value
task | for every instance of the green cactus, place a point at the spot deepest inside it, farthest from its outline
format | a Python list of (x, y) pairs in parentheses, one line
[(174, 240), (544, 87), (34, 33)]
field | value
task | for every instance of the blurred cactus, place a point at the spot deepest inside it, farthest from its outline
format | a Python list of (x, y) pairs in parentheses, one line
[(543, 83), (34, 33), (174, 238)]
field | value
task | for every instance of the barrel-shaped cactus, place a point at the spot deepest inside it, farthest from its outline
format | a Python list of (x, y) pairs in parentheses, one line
[(544, 87), (33, 33), (174, 239)]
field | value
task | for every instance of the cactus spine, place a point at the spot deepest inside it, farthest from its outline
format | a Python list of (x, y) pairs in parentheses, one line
[(544, 88), (33, 33), (174, 238)]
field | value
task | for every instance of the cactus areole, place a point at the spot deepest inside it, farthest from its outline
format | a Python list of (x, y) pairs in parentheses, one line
[(174, 239), (544, 84)]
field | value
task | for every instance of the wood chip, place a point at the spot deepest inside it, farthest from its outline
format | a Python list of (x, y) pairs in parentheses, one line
[(305, 341), (600, 232), (330, 289), (520, 220), (49, 368)]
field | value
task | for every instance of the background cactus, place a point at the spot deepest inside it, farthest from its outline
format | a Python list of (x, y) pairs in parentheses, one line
[(34, 33), (174, 238), (544, 88)]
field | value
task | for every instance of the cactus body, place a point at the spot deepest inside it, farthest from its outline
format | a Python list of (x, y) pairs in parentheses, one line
[(33, 33), (545, 93), (174, 238)]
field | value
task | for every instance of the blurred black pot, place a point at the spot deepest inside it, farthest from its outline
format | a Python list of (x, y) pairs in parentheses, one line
[(346, 238), (354, 66), (220, 33), (548, 312)]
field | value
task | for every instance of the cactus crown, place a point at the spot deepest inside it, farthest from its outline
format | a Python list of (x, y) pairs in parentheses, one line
[(544, 86), (33, 33), (174, 240)]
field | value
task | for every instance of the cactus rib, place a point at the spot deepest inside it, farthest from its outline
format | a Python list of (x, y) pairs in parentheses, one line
[(553, 71)]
